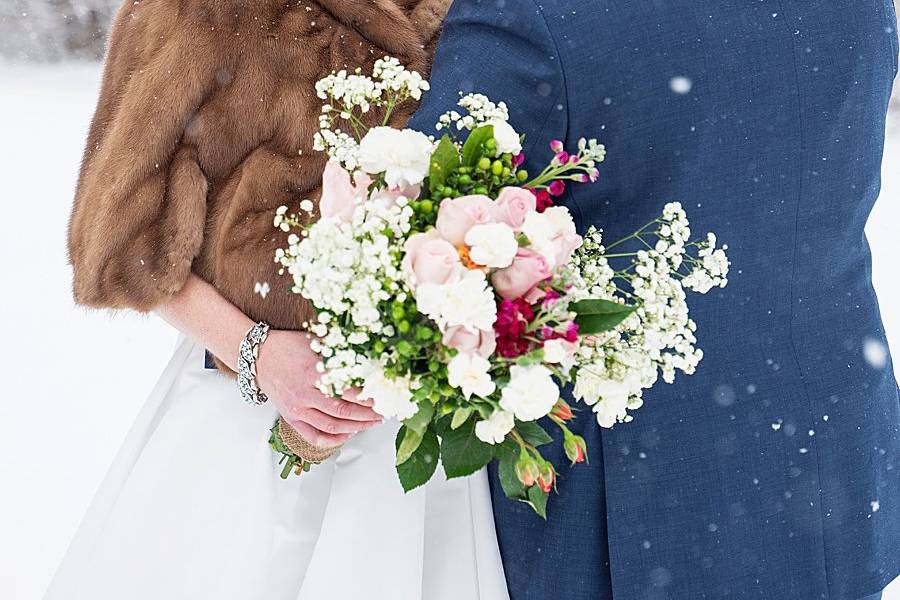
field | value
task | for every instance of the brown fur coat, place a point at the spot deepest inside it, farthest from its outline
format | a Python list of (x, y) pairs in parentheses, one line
[(204, 127)]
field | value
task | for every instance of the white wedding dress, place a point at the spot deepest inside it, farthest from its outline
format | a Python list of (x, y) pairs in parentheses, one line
[(193, 508)]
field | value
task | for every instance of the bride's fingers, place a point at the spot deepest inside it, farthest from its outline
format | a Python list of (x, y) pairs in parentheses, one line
[(333, 425), (344, 409), (352, 395), (318, 438)]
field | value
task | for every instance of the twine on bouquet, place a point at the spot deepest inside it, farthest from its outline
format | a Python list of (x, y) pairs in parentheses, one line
[(299, 446)]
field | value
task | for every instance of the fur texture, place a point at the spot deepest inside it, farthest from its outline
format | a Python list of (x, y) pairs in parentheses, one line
[(204, 127)]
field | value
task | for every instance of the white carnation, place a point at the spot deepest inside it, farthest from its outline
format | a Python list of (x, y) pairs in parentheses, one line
[(530, 393), (494, 429), (469, 372), (468, 302), (493, 245), (403, 155), (508, 140)]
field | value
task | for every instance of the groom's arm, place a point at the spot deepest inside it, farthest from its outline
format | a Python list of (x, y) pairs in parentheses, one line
[(506, 52)]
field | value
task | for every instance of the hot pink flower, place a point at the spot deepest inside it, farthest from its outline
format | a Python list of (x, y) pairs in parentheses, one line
[(527, 270), (556, 146), (513, 317), (456, 216), (557, 188), (518, 159), (512, 205)]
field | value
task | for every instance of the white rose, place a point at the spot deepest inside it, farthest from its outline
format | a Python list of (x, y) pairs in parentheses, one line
[(391, 397), (493, 245), (468, 302), (530, 393), (403, 155), (507, 138), (494, 429), (469, 372)]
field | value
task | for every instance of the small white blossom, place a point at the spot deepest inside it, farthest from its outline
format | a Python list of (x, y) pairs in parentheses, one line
[(508, 140), (468, 302), (390, 397), (493, 430), (471, 374), (530, 393)]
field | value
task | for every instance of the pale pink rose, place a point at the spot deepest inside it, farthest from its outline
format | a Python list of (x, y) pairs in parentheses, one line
[(527, 270), (565, 244), (339, 193), (457, 215), (479, 342), (512, 205), (430, 259)]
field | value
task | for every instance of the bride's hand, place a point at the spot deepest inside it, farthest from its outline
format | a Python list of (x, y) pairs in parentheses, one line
[(286, 369)]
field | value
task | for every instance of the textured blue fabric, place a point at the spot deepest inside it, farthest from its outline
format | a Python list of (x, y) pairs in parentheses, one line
[(774, 472)]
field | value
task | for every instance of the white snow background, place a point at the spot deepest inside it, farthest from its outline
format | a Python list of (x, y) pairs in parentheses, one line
[(73, 380)]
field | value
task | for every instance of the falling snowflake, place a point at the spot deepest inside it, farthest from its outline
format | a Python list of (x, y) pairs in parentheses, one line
[(262, 289), (681, 85)]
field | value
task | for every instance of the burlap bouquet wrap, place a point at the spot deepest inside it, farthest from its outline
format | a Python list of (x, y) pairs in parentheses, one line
[(299, 446)]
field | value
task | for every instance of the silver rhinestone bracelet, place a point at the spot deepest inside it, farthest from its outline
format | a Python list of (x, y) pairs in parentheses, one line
[(247, 383)]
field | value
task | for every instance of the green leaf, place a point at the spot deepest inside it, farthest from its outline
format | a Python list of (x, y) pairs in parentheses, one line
[(597, 316), (422, 464), (444, 160), (537, 498), (419, 422), (473, 149), (533, 433), (460, 417), (462, 453), (506, 472), (411, 441)]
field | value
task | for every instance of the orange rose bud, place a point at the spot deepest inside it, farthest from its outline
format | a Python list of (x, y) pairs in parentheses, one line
[(561, 410), (527, 469), (576, 448), (547, 477)]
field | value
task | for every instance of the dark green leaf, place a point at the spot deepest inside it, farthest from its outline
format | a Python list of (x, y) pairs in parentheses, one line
[(444, 160), (462, 453), (537, 498), (506, 472), (410, 443), (473, 149), (420, 421), (596, 316), (533, 433), (421, 465)]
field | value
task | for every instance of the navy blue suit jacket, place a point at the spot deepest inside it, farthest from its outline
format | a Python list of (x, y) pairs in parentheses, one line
[(774, 471)]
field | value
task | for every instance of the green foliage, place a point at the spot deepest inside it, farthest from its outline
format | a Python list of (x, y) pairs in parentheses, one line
[(533, 433), (473, 150), (444, 160), (462, 453), (537, 498), (596, 316), (421, 464)]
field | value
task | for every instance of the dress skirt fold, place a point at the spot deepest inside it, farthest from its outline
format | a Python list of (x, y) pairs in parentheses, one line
[(193, 507)]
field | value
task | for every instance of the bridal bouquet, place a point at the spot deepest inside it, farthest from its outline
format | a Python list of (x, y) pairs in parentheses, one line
[(452, 289)]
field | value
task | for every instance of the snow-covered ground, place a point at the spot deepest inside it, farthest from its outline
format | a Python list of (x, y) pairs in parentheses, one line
[(74, 379)]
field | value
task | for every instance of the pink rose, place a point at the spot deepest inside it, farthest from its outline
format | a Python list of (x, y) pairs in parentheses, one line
[(527, 270), (480, 342), (456, 216), (339, 193), (430, 259), (565, 244), (512, 205)]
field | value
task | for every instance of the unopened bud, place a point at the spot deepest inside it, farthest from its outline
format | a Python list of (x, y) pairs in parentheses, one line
[(576, 448), (527, 469), (561, 410), (546, 477)]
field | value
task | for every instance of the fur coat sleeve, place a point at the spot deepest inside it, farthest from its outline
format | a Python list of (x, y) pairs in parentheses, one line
[(204, 127)]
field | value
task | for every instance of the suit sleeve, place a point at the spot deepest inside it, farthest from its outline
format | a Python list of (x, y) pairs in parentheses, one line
[(139, 210), (505, 51)]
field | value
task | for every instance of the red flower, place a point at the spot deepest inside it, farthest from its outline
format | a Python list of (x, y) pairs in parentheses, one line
[(544, 201)]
